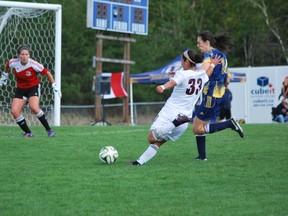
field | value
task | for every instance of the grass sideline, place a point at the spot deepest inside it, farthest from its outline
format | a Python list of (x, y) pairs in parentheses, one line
[(63, 175)]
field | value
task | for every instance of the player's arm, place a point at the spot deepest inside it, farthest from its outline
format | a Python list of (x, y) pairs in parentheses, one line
[(50, 77), (228, 75), (284, 92), (227, 81), (4, 75), (7, 67), (285, 105), (56, 89), (214, 62), (206, 62), (170, 84), (205, 66)]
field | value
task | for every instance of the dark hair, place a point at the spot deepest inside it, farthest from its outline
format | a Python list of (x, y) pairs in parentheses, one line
[(222, 42), (23, 47), (194, 56)]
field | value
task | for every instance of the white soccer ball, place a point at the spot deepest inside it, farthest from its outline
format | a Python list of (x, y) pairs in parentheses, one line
[(108, 154)]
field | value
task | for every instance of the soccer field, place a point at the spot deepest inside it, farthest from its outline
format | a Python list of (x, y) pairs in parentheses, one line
[(64, 176)]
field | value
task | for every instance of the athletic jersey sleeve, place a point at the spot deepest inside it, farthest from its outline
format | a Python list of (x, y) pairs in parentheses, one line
[(178, 77), (207, 57), (38, 67), (12, 62), (215, 85), (228, 73)]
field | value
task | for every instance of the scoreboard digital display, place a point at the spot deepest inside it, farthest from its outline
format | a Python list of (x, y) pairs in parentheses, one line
[(127, 16)]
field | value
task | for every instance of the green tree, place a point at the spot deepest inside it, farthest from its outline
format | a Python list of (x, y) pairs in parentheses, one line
[(173, 27)]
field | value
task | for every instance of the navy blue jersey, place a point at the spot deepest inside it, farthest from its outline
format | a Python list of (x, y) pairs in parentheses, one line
[(215, 86)]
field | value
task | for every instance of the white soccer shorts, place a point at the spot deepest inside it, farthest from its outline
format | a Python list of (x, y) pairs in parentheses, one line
[(165, 128)]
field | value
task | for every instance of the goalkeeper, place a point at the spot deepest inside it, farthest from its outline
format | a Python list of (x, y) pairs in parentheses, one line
[(26, 71)]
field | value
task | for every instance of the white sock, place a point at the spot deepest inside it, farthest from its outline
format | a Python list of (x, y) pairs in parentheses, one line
[(207, 128), (150, 152), (20, 118), (40, 114)]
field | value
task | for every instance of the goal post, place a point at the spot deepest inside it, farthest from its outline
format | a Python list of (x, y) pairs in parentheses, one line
[(39, 26)]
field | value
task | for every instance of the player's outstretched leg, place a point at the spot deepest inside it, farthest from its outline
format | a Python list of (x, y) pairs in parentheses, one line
[(150, 152), (231, 123), (134, 163)]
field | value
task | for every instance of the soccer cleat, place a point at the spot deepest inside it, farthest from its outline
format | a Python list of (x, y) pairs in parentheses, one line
[(51, 133), (134, 163), (26, 135), (199, 158), (181, 119), (237, 127)]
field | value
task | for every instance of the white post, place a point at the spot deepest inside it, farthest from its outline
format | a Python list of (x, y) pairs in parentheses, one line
[(247, 95), (131, 103), (30, 5), (58, 45)]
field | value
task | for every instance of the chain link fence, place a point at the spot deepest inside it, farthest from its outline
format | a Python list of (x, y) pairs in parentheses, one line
[(144, 114)]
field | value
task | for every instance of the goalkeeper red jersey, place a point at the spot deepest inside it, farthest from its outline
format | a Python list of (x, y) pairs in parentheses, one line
[(26, 75)]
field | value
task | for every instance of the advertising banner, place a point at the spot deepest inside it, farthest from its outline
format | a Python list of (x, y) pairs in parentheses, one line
[(253, 100), (261, 93)]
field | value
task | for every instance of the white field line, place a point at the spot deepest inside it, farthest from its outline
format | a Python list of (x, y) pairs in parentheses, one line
[(112, 132), (78, 134)]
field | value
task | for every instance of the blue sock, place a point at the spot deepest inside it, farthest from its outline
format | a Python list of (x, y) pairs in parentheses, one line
[(201, 145), (214, 127)]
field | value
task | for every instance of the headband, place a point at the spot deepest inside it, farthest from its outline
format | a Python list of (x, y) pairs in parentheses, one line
[(187, 56)]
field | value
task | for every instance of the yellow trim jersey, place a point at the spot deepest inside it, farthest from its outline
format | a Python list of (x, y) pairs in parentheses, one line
[(215, 86)]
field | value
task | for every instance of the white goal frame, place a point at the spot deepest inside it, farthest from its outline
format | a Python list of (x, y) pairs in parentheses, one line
[(58, 44)]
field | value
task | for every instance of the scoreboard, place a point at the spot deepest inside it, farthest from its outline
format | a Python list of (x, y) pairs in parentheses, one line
[(127, 16)]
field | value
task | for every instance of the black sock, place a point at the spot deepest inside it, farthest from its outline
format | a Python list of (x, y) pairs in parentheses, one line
[(22, 124), (42, 118), (176, 123), (201, 146), (180, 120), (214, 127)]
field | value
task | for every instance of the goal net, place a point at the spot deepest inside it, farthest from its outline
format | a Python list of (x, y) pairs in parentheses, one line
[(39, 26)]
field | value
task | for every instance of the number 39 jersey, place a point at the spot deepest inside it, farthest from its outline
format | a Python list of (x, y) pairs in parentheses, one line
[(187, 91)]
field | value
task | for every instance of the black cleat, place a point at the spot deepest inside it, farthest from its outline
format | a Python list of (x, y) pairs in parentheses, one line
[(51, 133), (134, 163), (199, 158), (26, 135), (237, 127)]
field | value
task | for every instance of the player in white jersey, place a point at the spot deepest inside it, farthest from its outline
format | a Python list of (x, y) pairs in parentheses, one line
[(188, 85)]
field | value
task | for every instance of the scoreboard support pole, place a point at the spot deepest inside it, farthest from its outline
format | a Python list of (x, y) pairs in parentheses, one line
[(99, 69), (125, 16), (127, 80)]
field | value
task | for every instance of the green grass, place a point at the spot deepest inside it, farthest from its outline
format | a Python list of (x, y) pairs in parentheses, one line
[(63, 175)]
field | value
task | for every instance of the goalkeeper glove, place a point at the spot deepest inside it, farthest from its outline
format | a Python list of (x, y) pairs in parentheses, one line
[(4, 78), (56, 89)]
